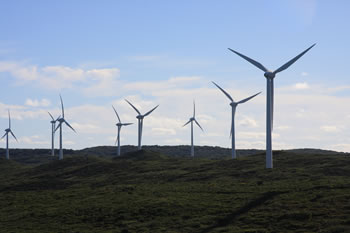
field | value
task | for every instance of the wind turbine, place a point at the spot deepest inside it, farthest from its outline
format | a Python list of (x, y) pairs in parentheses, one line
[(7, 131), (61, 120), (140, 121), (119, 125), (191, 120), (233, 106), (53, 127), (270, 75)]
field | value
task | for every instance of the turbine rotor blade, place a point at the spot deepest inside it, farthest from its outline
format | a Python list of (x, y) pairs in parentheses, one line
[(194, 109), (149, 112), (228, 96), (69, 125), (58, 118), (285, 66), (255, 63), (246, 99), (125, 124), (198, 124), (116, 140), (186, 123), (3, 136), (62, 106), (51, 116), (13, 135), (116, 113), (133, 107), (59, 125), (9, 119)]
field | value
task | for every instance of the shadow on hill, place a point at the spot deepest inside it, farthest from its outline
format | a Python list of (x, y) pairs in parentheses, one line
[(229, 219)]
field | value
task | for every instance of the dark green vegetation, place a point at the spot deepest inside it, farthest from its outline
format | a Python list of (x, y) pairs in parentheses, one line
[(307, 191)]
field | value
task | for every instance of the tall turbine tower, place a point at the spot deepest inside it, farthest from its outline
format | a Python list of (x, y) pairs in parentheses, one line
[(270, 75), (140, 121), (233, 106), (119, 125), (61, 120), (7, 131), (53, 127), (193, 118)]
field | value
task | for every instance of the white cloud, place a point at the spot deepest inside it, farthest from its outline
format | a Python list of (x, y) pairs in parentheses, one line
[(163, 131), (101, 82), (304, 74), (248, 122), (301, 86), (329, 128), (37, 103)]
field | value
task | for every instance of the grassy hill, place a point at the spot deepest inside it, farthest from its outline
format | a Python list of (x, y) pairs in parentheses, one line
[(149, 191)]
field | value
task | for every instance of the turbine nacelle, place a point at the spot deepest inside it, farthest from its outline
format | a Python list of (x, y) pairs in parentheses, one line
[(7, 130), (269, 75), (140, 117), (192, 119), (233, 104)]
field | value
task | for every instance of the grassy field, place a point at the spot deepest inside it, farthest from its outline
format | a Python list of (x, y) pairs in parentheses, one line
[(150, 192)]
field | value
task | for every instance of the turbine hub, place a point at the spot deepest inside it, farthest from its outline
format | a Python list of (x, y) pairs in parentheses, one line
[(139, 117), (192, 119), (7, 130), (119, 124), (233, 104), (269, 75), (52, 122)]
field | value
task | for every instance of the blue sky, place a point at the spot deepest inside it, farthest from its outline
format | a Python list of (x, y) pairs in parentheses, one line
[(96, 53)]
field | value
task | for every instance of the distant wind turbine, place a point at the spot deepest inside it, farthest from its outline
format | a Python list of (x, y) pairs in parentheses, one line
[(191, 120), (270, 75), (140, 121), (53, 127), (233, 106), (119, 125), (7, 131), (61, 120)]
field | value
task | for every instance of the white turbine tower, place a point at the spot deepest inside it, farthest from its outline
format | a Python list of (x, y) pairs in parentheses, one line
[(53, 127), (61, 120), (7, 131), (119, 125), (233, 106), (270, 75), (193, 118), (140, 121)]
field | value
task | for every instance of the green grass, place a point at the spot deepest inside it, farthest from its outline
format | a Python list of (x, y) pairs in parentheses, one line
[(150, 192)]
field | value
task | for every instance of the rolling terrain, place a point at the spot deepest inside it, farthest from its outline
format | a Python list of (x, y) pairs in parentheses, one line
[(153, 191)]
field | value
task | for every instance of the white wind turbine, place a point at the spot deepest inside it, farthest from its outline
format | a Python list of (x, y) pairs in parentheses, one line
[(7, 131), (193, 118), (119, 125), (61, 120), (140, 121), (270, 75), (53, 127), (233, 106)]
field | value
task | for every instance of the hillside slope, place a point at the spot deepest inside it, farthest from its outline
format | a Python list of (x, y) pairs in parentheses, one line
[(150, 192)]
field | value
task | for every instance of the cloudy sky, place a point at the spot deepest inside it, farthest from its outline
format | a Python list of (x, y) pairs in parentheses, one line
[(97, 53)]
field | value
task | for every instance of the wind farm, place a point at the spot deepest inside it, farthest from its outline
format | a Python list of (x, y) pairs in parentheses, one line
[(124, 116)]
